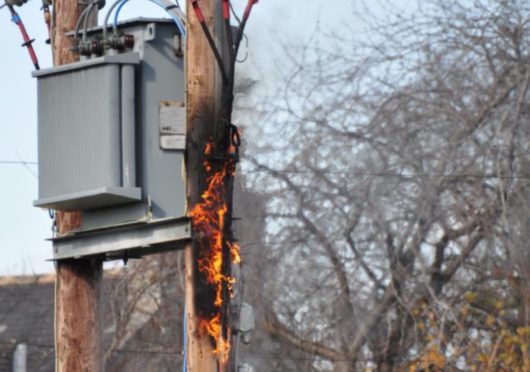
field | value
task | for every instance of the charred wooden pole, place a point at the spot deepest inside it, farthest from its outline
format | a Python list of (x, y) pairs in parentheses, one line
[(77, 318), (205, 124)]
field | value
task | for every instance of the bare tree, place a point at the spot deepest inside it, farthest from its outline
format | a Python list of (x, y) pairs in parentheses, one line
[(397, 212)]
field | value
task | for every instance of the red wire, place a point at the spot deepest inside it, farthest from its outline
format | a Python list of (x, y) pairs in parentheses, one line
[(226, 9), (25, 37), (198, 10), (248, 8)]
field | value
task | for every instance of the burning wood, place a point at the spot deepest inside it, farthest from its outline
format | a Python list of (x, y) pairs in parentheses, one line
[(211, 219)]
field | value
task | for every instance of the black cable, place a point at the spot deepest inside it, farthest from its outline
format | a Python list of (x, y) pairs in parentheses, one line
[(240, 36), (246, 55), (218, 58), (228, 30), (234, 14), (215, 51), (243, 24), (230, 40)]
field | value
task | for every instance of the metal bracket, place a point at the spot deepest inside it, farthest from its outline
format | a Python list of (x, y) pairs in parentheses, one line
[(179, 49), (135, 239), (150, 32)]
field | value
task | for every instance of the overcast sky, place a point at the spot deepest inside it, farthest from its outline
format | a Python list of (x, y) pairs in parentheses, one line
[(23, 228)]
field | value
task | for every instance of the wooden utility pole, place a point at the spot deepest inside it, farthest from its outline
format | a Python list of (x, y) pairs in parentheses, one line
[(78, 282), (203, 102)]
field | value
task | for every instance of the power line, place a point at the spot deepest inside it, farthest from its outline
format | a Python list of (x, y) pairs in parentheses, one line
[(351, 173), (387, 174), (18, 162), (141, 351), (177, 352)]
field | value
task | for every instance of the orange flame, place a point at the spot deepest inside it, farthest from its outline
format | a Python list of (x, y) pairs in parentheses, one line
[(208, 218), (213, 328), (235, 252)]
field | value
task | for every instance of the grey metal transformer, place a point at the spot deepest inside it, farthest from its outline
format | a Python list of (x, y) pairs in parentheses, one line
[(111, 135)]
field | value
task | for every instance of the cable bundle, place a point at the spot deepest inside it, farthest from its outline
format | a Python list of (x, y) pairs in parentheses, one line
[(173, 9), (228, 77)]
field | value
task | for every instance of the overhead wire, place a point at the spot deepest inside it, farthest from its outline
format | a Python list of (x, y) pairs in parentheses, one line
[(139, 351), (173, 9), (270, 356), (25, 164), (179, 353), (352, 173), (28, 42), (389, 174), (18, 162)]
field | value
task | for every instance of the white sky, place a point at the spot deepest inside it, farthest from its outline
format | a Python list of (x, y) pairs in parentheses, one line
[(23, 228)]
